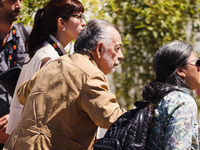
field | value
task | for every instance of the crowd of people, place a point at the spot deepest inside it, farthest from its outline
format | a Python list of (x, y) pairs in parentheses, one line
[(61, 99)]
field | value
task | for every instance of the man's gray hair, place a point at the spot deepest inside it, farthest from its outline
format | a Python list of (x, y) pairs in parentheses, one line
[(95, 31)]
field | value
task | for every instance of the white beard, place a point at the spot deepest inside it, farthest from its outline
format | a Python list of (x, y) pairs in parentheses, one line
[(114, 68), (110, 62)]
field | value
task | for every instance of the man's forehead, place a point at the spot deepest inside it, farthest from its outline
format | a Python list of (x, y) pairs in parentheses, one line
[(112, 29), (5, 1), (116, 38)]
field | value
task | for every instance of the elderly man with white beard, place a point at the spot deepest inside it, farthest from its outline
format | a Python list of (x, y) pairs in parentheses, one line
[(69, 98)]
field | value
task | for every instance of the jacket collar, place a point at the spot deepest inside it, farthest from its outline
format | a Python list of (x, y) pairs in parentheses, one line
[(89, 56)]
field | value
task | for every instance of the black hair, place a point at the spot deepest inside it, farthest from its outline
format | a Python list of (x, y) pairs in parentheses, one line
[(167, 60)]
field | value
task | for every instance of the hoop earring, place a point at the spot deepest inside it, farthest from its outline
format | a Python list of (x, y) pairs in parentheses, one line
[(63, 29)]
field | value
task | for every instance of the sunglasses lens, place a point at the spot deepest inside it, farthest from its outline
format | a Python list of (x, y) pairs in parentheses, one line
[(198, 63), (82, 16)]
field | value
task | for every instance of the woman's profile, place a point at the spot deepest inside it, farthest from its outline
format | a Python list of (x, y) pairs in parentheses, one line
[(177, 72)]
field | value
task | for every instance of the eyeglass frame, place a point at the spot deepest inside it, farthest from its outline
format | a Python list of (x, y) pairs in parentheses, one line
[(79, 16), (197, 62)]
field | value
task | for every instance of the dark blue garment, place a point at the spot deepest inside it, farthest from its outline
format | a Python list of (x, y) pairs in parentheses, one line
[(5, 98)]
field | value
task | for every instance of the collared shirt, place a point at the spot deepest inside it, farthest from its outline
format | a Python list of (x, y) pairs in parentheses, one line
[(175, 125), (5, 99), (58, 43)]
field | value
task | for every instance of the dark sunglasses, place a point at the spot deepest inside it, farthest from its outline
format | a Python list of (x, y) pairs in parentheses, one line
[(197, 62), (80, 16)]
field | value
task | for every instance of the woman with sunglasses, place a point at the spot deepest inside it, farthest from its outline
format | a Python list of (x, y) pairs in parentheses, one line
[(55, 25), (175, 121)]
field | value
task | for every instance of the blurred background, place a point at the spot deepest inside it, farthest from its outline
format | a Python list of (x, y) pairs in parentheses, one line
[(145, 25)]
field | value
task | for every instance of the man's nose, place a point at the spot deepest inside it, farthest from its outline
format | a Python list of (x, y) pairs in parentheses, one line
[(18, 4), (120, 55)]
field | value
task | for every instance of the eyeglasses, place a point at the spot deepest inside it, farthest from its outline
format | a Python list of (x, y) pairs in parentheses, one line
[(80, 16), (197, 63)]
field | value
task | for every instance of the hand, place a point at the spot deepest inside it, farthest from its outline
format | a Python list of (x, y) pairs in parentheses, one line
[(3, 137), (3, 123)]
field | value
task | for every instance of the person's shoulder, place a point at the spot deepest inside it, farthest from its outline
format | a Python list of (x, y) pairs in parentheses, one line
[(28, 29), (176, 98), (176, 101), (85, 63), (23, 29), (45, 51), (81, 62), (181, 94)]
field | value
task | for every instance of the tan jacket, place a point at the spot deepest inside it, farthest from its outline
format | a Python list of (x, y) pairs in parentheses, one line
[(66, 101)]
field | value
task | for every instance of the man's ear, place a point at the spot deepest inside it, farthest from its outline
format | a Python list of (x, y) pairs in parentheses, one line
[(181, 72), (98, 49)]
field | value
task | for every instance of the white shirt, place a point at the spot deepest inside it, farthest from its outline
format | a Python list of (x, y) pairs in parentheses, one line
[(28, 70)]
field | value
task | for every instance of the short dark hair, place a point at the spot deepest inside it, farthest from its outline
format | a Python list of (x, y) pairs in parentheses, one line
[(94, 32), (168, 59)]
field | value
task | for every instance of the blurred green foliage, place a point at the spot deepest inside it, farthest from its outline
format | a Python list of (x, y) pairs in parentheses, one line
[(29, 8), (93, 9), (145, 25)]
